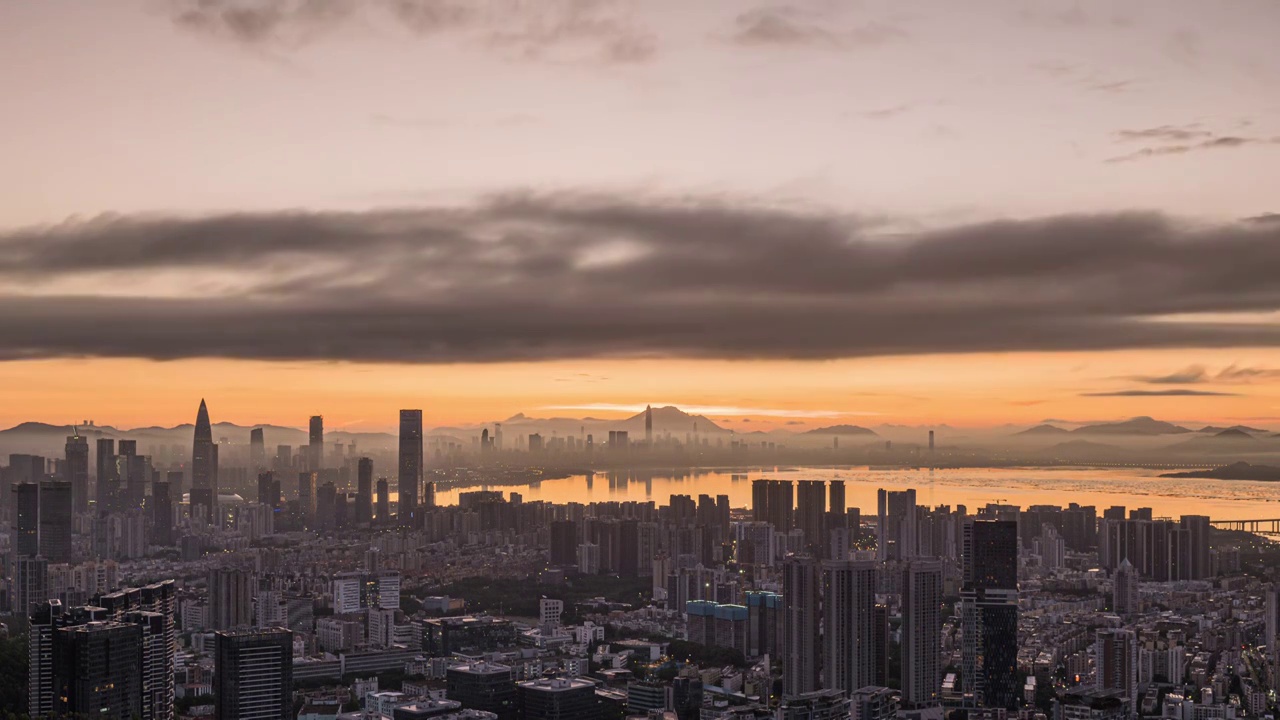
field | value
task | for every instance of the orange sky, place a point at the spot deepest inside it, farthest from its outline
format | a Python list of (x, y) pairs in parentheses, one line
[(970, 390)]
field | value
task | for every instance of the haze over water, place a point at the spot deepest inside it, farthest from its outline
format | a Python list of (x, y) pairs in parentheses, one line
[(972, 487)]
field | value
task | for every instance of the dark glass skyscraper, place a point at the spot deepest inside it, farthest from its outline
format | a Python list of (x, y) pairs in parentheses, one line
[(78, 472), (55, 521), (364, 490), (410, 464), (989, 615), (315, 450), (204, 467), (253, 675), (257, 451), (106, 469), (97, 670), (26, 542)]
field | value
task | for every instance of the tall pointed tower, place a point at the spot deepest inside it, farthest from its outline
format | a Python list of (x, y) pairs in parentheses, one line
[(648, 425), (204, 464)]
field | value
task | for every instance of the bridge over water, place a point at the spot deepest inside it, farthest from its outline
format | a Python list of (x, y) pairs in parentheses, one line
[(1257, 527)]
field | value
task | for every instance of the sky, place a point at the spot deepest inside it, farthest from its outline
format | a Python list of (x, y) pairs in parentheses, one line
[(796, 214)]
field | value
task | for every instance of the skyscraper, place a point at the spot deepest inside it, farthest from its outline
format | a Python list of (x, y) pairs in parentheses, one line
[(648, 425), (811, 501), (921, 633), (162, 513), (55, 521), (204, 468), (253, 675), (1124, 590), (410, 466), (97, 670), (384, 500), (364, 490), (230, 599), (77, 451), (1198, 526), (106, 468), (257, 451), (848, 602), (896, 524), (800, 622), (26, 542), (1115, 653), (315, 450), (989, 615)]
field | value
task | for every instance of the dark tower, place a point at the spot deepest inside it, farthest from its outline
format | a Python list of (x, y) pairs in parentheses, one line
[(364, 490), (204, 468), (648, 425), (257, 451), (106, 468), (410, 474), (315, 451), (253, 674), (78, 472)]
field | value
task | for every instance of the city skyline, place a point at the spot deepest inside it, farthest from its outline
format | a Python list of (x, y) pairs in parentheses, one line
[(519, 207)]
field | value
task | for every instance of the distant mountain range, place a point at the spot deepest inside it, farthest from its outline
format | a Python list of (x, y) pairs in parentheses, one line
[(1141, 425), (843, 430)]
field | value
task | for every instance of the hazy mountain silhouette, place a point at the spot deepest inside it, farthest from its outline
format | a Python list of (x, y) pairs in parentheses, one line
[(843, 430), (1043, 429), (1142, 425)]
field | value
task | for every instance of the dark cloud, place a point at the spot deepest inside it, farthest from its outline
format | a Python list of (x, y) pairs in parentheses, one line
[(261, 23), (1264, 218), (598, 31), (1215, 143), (1190, 375), (524, 277), (1197, 374), (885, 113), (1169, 133), (1157, 393), (791, 26), (1236, 373), (795, 422)]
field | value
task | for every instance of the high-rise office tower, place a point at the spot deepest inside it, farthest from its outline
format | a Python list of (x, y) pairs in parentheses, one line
[(253, 675), (204, 466), (811, 498), (162, 513), (55, 521), (364, 490), (230, 599), (26, 541), (848, 615), (77, 452), (326, 498), (989, 615), (307, 496), (268, 490), (801, 604), (648, 425), (315, 447), (410, 466), (284, 460), (257, 451), (384, 500), (1115, 653), (105, 468), (97, 670), (896, 537), (564, 542), (921, 633)]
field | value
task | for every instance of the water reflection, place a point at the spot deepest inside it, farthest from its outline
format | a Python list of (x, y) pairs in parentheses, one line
[(1103, 487)]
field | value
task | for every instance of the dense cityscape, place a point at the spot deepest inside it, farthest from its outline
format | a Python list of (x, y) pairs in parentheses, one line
[(639, 360), (153, 590)]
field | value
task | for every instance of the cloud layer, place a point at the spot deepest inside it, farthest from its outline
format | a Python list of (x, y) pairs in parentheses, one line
[(531, 277)]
